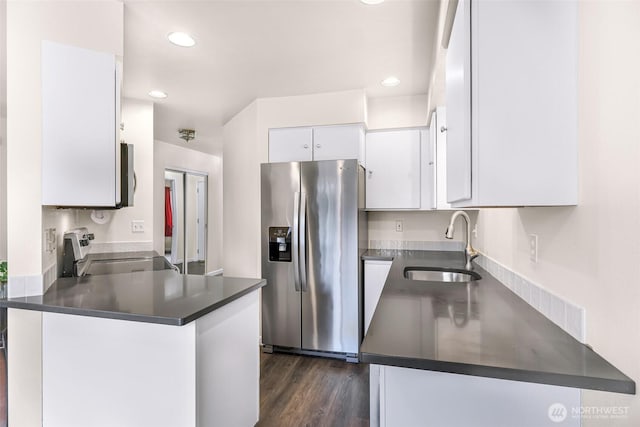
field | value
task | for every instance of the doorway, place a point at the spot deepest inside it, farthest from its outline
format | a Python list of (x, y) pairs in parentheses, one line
[(185, 220)]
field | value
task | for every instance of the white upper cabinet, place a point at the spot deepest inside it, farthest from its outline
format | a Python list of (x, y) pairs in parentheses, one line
[(80, 118), (512, 104), (290, 145), (427, 171), (458, 84), (338, 142), (393, 169), (438, 133), (316, 143)]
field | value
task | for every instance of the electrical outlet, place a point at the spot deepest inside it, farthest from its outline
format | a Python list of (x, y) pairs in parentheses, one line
[(399, 225), (533, 247), (137, 226)]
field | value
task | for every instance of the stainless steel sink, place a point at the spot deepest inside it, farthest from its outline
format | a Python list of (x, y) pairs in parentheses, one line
[(440, 275)]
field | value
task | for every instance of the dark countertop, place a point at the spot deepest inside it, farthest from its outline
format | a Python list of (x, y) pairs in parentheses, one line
[(163, 296), (480, 328)]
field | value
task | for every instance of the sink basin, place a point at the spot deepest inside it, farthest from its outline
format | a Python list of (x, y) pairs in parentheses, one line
[(440, 275)]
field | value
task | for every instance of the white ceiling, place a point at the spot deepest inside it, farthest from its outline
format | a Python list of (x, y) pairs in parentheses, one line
[(252, 49)]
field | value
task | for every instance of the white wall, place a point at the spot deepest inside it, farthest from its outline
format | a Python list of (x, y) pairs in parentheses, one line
[(589, 254), (169, 156), (428, 226), (397, 112), (241, 230), (246, 138), (3, 187), (3, 131)]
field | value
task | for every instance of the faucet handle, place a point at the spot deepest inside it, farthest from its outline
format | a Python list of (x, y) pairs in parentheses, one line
[(470, 255)]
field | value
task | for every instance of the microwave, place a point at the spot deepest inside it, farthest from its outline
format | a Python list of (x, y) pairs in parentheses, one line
[(128, 180)]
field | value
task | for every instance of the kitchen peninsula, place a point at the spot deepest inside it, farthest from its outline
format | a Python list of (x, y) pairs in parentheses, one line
[(152, 348)]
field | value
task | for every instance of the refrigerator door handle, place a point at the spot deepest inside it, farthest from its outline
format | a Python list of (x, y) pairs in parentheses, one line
[(295, 238), (303, 243)]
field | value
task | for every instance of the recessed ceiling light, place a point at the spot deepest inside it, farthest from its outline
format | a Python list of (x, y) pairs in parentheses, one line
[(181, 39), (158, 94), (390, 81), (371, 1)]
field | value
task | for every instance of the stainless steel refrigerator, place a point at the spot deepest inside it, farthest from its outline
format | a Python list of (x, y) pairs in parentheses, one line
[(313, 233)]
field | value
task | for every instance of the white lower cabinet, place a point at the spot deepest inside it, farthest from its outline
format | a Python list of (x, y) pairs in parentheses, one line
[(375, 274), (111, 372), (418, 398)]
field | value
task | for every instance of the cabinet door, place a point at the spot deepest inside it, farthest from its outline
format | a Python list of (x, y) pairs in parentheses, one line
[(393, 169), (290, 145), (79, 146), (338, 142), (427, 170), (532, 73), (458, 85), (439, 135), (375, 274)]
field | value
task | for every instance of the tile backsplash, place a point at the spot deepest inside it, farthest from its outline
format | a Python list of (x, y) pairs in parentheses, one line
[(570, 317), (132, 246), (453, 245)]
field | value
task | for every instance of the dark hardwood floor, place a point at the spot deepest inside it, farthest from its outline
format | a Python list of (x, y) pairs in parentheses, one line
[(312, 391)]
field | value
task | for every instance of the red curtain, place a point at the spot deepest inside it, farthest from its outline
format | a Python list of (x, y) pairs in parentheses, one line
[(168, 215)]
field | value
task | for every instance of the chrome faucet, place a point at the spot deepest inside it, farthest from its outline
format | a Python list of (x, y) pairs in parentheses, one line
[(469, 253)]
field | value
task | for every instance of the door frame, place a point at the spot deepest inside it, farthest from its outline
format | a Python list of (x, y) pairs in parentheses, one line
[(201, 216), (174, 227), (205, 175)]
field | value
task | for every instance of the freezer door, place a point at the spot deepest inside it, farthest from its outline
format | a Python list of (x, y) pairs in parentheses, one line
[(280, 299), (329, 211)]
